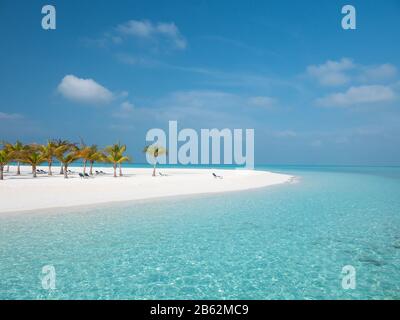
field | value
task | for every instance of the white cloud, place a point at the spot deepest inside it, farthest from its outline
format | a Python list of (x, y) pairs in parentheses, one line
[(216, 100), (9, 116), (262, 101), (126, 106), (84, 90), (378, 73), (203, 99), (316, 143), (15, 126), (121, 95), (136, 28), (137, 60), (125, 110), (123, 127), (344, 71), (148, 30), (285, 134), (358, 95), (331, 73)]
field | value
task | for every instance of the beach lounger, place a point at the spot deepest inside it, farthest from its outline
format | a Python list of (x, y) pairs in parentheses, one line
[(217, 176)]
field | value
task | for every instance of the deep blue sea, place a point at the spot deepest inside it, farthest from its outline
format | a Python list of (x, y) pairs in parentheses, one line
[(289, 241)]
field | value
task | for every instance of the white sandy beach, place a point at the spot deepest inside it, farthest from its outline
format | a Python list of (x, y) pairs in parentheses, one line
[(20, 193)]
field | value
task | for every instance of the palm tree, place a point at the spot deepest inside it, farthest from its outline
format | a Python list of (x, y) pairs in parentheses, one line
[(84, 153), (4, 143), (17, 150), (115, 155), (61, 147), (121, 160), (155, 151), (69, 155), (49, 152), (33, 156), (5, 157), (94, 155)]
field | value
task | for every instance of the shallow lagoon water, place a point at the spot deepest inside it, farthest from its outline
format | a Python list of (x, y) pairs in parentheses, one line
[(282, 242)]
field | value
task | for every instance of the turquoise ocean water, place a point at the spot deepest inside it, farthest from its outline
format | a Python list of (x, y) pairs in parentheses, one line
[(283, 242)]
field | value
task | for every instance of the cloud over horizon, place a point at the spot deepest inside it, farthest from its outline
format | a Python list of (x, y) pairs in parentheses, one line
[(345, 71), (358, 95), (10, 116)]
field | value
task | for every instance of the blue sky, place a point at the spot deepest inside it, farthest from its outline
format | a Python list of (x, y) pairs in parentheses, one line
[(313, 92)]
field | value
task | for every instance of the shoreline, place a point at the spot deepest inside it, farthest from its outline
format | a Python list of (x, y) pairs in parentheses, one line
[(24, 194)]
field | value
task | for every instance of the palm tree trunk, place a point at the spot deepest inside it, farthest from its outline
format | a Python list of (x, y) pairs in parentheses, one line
[(61, 168), (34, 171), (18, 168), (50, 173), (115, 170), (8, 168), (66, 171), (84, 166), (1, 172), (120, 170), (154, 169), (91, 167)]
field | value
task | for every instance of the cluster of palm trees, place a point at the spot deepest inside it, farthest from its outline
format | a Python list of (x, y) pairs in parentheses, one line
[(62, 150)]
